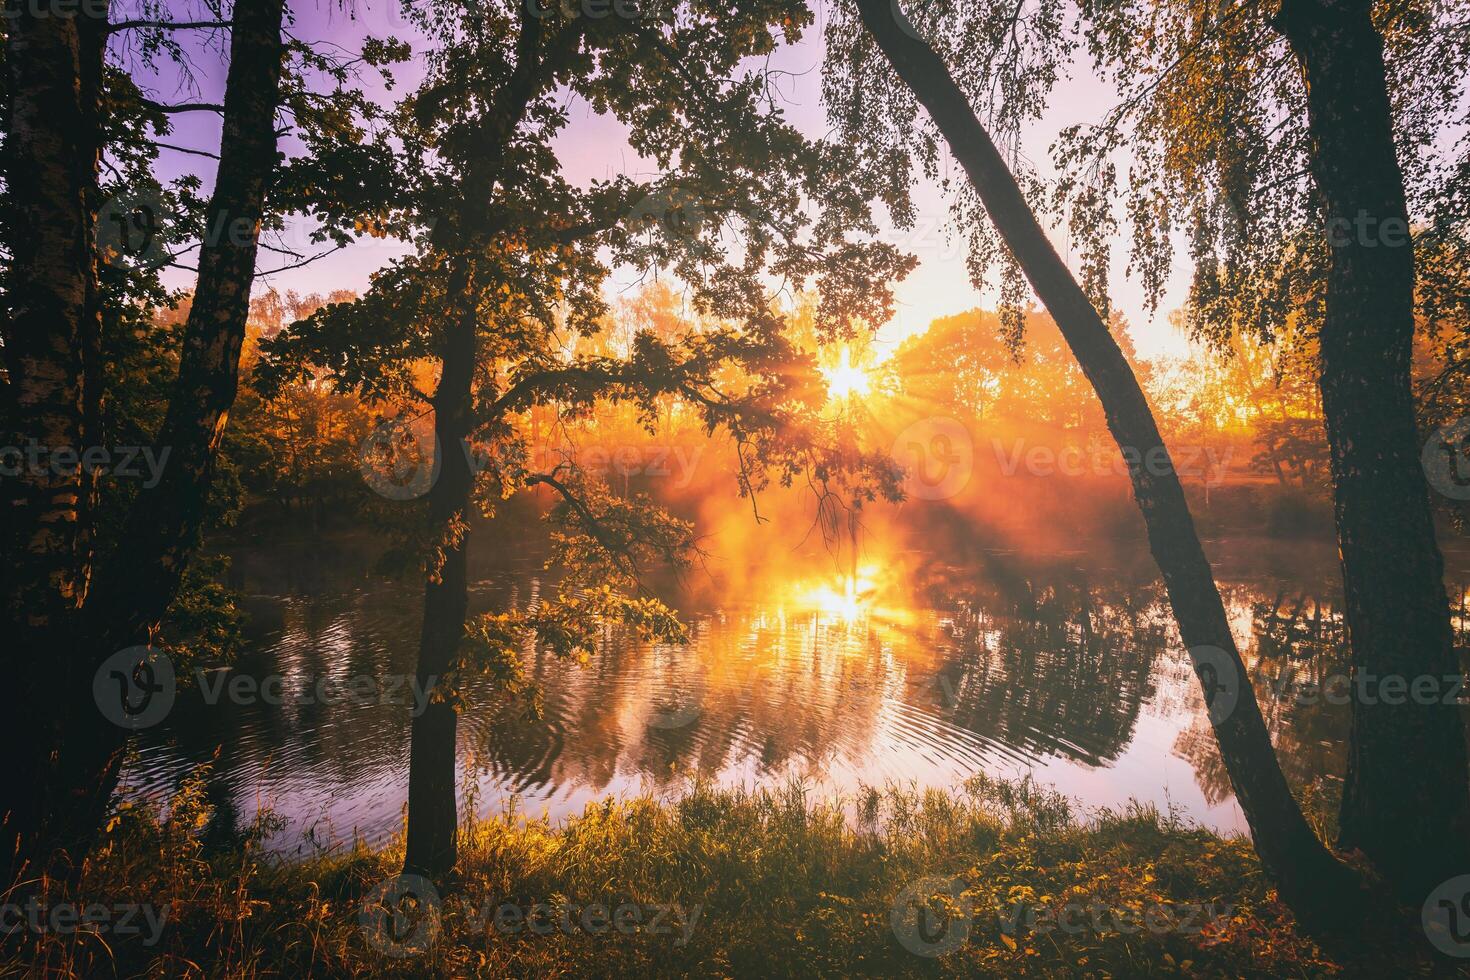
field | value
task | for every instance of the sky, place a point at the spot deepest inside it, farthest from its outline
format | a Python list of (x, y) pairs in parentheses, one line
[(593, 147)]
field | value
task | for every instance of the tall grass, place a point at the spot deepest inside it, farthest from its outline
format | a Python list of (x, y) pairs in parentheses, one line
[(754, 884)]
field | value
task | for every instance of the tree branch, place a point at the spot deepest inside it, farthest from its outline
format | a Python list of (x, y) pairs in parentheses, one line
[(164, 25), (185, 149), (593, 525), (306, 261), (184, 107)]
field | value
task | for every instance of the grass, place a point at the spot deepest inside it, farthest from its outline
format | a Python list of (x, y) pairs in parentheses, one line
[(758, 884)]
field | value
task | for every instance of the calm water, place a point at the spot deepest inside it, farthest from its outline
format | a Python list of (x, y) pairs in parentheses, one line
[(1063, 667)]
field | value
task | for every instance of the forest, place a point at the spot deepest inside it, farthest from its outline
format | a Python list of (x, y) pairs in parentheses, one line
[(859, 488)]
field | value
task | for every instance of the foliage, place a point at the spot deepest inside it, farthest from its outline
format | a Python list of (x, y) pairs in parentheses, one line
[(1213, 116), (204, 625), (1005, 57), (1213, 113), (963, 361), (510, 258), (569, 627)]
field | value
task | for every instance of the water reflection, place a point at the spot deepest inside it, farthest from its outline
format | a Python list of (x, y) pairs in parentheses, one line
[(1072, 675)]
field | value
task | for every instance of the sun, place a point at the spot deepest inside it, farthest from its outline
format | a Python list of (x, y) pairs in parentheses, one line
[(846, 380)]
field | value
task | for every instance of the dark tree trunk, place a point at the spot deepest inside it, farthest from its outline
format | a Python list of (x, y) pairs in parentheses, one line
[(433, 816), (134, 590), (1314, 883), (1406, 802), (51, 172), (433, 819), (51, 339)]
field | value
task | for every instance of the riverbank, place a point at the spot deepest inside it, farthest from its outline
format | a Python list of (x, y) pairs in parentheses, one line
[(998, 879)]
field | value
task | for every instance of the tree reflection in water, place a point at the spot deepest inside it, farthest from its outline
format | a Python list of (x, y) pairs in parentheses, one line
[(999, 665)]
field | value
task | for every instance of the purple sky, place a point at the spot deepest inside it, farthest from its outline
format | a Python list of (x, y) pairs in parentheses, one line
[(594, 147)]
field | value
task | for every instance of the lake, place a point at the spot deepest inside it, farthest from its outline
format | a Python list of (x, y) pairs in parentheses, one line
[(1064, 667)]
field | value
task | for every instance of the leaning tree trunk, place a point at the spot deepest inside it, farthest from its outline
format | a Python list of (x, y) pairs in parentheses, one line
[(433, 816), (1406, 802), (1309, 877), (51, 338), (134, 589)]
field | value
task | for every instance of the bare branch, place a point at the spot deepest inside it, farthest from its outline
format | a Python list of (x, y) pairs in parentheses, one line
[(185, 149), (164, 25), (184, 107), (306, 261)]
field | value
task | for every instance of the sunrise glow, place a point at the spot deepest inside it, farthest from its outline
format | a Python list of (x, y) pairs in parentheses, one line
[(845, 380)]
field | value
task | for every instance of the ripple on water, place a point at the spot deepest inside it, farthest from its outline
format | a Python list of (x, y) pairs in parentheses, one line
[(976, 683)]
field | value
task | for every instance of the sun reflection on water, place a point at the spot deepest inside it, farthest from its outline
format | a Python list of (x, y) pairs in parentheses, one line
[(846, 599)]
